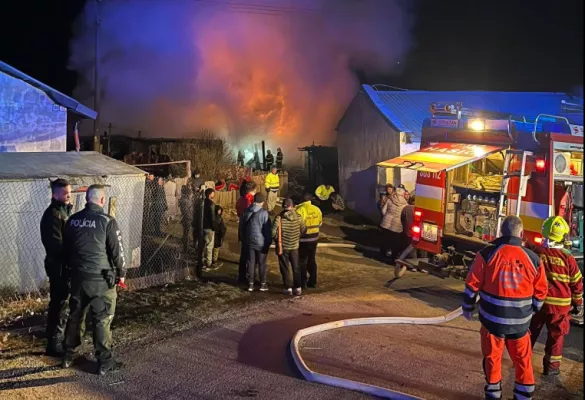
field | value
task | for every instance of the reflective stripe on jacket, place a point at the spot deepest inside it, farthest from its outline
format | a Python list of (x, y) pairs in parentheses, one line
[(565, 281), (271, 182), (511, 283), (313, 219)]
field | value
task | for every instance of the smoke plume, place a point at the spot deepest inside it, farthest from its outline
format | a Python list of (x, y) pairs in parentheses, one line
[(277, 70)]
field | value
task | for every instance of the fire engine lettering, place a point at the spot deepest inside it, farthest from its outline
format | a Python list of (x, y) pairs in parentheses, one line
[(432, 175), (552, 260)]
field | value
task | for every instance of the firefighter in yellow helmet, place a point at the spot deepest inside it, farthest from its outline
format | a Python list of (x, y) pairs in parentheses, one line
[(565, 292)]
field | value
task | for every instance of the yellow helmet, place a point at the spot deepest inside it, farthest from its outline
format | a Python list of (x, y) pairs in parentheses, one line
[(555, 229)]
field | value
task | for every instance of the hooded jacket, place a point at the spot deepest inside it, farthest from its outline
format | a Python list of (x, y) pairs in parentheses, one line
[(392, 211), (255, 229), (292, 225)]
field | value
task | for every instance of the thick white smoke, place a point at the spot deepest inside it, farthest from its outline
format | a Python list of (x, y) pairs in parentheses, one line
[(246, 69)]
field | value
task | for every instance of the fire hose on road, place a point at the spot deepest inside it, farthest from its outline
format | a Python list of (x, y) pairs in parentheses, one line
[(317, 377)]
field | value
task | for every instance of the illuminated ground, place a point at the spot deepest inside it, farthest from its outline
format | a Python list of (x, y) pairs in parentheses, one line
[(242, 352)]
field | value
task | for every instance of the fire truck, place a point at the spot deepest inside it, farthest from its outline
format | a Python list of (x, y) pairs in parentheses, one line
[(475, 167)]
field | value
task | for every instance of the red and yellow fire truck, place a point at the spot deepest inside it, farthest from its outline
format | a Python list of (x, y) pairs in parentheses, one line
[(475, 167)]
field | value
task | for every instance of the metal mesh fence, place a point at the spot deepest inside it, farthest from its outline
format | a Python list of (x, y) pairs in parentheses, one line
[(155, 219), (148, 212)]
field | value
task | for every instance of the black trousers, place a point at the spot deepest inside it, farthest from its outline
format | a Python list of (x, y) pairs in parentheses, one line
[(243, 263), (58, 311), (388, 241), (290, 257), (308, 263), (256, 257), (101, 301)]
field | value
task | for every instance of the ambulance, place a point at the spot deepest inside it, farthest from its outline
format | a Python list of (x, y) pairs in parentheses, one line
[(475, 167)]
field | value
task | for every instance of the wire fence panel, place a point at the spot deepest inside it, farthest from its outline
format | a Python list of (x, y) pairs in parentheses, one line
[(157, 237)]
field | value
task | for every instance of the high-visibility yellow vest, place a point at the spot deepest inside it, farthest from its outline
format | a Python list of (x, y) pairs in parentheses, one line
[(313, 220), (323, 193), (271, 182)]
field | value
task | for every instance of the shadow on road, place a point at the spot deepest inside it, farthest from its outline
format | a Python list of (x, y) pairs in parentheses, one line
[(447, 299), (266, 345), (11, 385)]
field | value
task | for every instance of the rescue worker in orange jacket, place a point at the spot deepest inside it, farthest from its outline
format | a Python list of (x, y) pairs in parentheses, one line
[(511, 285), (565, 291)]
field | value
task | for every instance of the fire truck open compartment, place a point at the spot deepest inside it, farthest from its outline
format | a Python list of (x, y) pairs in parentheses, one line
[(470, 161), (472, 195)]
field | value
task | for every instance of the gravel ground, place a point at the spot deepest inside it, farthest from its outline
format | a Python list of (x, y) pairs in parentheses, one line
[(243, 353)]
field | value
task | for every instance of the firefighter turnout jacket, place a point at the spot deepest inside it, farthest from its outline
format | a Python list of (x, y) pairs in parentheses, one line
[(93, 243), (313, 219), (271, 182), (565, 281), (52, 226), (511, 283)]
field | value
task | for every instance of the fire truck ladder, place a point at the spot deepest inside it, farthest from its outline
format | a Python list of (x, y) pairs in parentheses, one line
[(506, 179)]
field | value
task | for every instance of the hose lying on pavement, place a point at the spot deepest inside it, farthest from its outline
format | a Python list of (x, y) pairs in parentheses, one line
[(313, 376)]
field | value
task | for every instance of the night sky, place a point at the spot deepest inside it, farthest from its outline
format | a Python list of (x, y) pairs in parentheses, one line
[(459, 44)]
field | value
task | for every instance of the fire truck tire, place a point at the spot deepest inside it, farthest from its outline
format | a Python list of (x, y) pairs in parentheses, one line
[(372, 390)]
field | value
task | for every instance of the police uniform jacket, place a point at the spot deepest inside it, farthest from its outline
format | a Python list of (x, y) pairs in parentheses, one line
[(93, 243)]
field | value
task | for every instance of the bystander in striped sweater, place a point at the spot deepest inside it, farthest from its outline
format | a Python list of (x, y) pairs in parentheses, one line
[(292, 225)]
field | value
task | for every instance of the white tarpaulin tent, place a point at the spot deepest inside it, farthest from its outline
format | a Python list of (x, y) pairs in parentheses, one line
[(25, 194)]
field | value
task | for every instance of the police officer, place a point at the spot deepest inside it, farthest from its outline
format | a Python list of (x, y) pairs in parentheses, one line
[(95, 256), (52, 227)]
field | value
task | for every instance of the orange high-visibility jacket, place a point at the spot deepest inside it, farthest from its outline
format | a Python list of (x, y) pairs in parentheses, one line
[(565, 281), (511, 284)]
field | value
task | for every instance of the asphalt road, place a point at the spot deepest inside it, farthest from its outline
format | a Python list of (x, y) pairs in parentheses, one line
[(243, 354)]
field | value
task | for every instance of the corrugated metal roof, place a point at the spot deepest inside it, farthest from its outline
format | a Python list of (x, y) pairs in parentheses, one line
[(406, 110), (55, 95), (62, 164)]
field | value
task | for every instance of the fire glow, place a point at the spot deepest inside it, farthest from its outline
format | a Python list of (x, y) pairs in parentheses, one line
[(249, 69)]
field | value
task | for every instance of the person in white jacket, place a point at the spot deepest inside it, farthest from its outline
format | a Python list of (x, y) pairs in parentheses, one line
[(391, 223)]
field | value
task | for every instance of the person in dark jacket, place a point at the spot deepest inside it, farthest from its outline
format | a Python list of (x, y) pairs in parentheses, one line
[(52, 226), (186, 207), (95, 257), (286, 232), (149, 190), (269, 160), (279, 159), (241, 206), (198, 187), (209, 225), (255, 231), (159, 206), (219, 236), (240, 158)]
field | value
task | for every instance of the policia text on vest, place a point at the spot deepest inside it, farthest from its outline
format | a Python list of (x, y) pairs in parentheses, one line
[(95, 256)]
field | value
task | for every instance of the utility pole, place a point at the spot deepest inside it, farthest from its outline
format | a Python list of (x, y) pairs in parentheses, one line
[(96, 86)]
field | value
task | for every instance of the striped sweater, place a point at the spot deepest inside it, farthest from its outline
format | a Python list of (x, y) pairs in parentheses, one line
[(292, 225)]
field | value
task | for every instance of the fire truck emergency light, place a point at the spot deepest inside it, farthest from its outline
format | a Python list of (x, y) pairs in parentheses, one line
[(538, 240), (476, 125), (540, 164)]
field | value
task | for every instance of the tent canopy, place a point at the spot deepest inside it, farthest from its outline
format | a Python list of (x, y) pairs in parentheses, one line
[(441, 157)]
